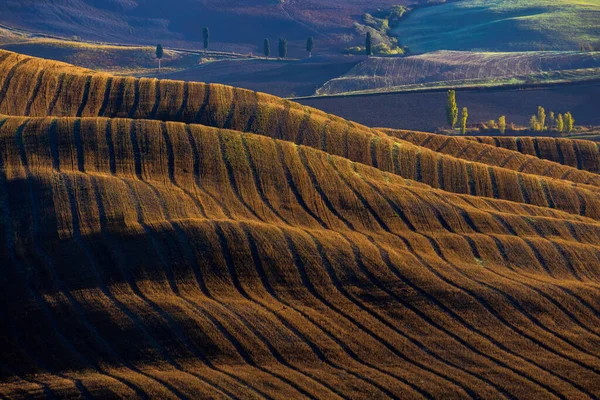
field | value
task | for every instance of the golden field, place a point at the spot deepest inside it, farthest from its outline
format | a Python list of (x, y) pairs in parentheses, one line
[(164, 239)]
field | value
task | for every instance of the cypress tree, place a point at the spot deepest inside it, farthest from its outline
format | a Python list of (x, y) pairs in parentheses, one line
[(452, 109), (267, 48), (463, 120), (282, 48), (369, 45), (206, 36), (310, 46), (159, 54)]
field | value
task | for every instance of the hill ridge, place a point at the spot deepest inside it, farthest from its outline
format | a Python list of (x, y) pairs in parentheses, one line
[(226, 107)]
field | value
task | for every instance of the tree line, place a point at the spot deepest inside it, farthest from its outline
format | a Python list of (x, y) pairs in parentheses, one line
[(562, 123), (282, 47)]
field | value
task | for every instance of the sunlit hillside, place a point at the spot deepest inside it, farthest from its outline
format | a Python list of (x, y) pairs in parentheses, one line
[(167, 239), (503, 25), (454, 69)]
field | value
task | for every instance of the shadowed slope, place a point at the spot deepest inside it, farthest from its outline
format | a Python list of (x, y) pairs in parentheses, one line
[(202, 234), (311, 258)]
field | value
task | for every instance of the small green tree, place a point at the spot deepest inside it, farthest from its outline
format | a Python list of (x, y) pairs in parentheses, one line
[(569, 122), (451, 109), (267, 48), (282, 48), (310, 46), (534, 124), (206, 36), (369, 45), (541, 117), (560, 123), (502, 124), (463, 120), (159, 55)]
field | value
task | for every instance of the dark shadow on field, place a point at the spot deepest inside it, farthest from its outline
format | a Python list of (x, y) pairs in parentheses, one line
[(426, 111), (276, 77)]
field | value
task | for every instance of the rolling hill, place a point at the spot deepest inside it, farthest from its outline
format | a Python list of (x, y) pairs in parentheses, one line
[(236, 25), (454, 69), (127, 60), (168, 239), (278, 77), (502, 25)]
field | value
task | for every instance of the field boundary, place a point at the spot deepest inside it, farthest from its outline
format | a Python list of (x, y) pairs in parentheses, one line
[(507, 87)]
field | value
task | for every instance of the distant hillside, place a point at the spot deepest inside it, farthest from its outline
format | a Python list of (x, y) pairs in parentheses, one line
[(502, 25), (116, 59), (278, 77), (176, 240), (456, 69), (236, 25)]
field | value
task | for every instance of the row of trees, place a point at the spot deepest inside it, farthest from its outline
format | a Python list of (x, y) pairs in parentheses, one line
[(452, 113), (561, 123), (282, 47)]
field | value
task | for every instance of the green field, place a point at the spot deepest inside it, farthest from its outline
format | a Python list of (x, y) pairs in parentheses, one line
[(502, 25)]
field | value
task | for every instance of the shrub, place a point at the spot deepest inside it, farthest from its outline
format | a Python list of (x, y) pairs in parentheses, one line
[(534, 124), (384, 49), (502, 124), (541, 117), (354, 50)]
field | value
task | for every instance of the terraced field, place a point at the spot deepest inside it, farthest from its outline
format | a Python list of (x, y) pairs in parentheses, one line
[(163, 239), (464, 69)]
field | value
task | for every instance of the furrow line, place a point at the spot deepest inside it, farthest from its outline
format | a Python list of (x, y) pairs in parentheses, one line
[(34, 94), (57, 92), (106, 99), (86, 96)]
